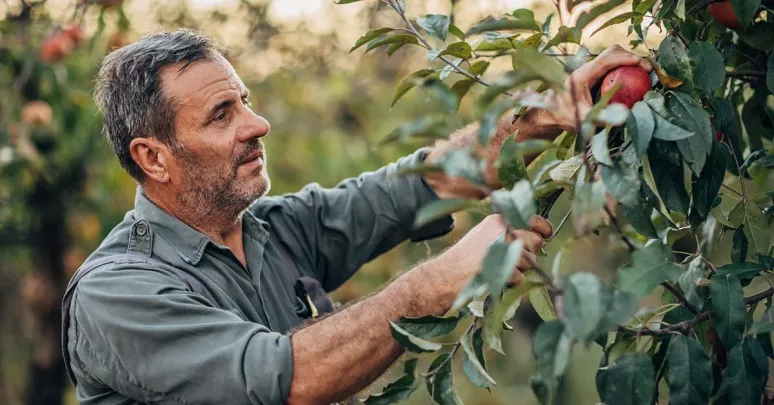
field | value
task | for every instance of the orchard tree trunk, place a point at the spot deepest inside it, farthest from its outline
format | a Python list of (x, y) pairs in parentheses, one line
[(43, 291)]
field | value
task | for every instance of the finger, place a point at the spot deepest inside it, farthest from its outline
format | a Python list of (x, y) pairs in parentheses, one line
[(516, 278), (541, 226), (527, 261), (595, 70), (532, 241)]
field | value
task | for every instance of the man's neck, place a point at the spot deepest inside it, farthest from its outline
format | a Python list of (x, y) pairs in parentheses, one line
[(221, 227)]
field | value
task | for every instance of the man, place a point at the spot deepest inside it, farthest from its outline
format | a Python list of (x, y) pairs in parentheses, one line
[(196, 297)]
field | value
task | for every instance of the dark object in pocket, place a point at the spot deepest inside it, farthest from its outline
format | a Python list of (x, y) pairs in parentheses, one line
[(311, 300)]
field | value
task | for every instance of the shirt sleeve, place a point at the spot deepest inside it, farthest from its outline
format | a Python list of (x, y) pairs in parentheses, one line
[(138, 331), (335, 231)]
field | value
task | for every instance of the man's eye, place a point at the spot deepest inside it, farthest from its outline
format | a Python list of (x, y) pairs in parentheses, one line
[(220, 117)]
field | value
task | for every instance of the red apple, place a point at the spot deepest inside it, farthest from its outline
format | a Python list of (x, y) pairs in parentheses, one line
[(634, 81), (723, 13), (718, 135), (56, 48), (75, 33)]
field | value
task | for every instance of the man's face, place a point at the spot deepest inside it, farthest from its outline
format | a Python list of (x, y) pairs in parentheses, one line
[(220, 161)]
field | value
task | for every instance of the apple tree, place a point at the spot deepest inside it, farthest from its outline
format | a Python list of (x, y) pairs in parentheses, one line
[(685, 157)]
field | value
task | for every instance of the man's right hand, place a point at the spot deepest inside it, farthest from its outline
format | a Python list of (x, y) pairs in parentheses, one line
[(462, 262)]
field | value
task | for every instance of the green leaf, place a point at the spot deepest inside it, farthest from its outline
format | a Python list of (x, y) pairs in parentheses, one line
[(588, 207), (511, 166), (770, 73), (705, 187), (503, 310), (392, 39), (436, 25), (620, 308), (622, 182), (461, 163), (690, 372), (641, 125), (755, 224), (541, 302), (551, 348), (399, 390), (499, 263), (429, 326), (531, 61), (742, 271), (613, 114), (458, 49), (414, 79), (503, 24), (689, 279), (666, 130), (745, 10), (473, 361), (639, 217), (674, 59), (586, 17), (461, 87), (629, 381), (746, 373), (441, 385), (755, 156), (759, 36), (517, 205), (599, 148), (457, 32), (739, 246), (371, 35), (564, 35), (507, 81), (728, 302), (411, 342), (765, 325), (584, 305), (669, 182), (710, 67), (616, 20), (693, 117), (432, 126), (650, 266)]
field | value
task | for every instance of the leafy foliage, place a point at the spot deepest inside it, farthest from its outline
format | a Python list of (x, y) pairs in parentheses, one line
[(709, 116)]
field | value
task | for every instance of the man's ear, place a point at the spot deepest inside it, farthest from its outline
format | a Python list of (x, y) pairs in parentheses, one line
[(153, 157)]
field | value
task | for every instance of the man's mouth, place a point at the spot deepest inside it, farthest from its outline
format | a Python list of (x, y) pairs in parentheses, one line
[(255, 158)]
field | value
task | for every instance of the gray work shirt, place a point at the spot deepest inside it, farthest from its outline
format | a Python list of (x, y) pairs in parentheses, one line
[(139, 333)]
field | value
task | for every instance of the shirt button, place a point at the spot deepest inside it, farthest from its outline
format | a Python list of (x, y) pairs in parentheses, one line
[(142, 229)]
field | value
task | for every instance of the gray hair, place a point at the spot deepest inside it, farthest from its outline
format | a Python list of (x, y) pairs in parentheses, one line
[(129, 94)]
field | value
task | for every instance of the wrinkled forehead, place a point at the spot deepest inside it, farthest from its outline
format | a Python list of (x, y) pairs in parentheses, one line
[(195, 82)]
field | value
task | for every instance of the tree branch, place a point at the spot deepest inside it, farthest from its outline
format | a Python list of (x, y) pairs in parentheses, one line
[(680, 297), (446, 60), (745, 73)]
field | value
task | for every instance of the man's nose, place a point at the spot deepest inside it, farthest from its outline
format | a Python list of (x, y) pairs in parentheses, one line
[(257, 127)]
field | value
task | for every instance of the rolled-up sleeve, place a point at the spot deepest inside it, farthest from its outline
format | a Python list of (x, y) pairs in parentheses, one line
[(138, 331), (335, 231)]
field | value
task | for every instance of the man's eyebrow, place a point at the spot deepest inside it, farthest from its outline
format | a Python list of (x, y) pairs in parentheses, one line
[(245, 92)]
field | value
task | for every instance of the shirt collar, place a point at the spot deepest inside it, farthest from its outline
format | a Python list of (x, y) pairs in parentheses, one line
[(188, 242)]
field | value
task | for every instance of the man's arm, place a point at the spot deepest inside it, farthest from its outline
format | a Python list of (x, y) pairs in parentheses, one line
[(342, 354), (533, 124)]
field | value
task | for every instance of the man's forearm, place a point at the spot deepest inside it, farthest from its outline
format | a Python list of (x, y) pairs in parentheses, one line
[(533, 124), (342, 354)]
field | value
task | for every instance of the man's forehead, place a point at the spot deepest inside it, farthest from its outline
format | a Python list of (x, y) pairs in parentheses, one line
[(199, 80)]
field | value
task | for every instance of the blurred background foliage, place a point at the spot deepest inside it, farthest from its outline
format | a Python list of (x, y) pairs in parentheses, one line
[(62, 190)]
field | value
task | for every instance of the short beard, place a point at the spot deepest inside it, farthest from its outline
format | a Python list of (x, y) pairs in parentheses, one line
[(215, 194)]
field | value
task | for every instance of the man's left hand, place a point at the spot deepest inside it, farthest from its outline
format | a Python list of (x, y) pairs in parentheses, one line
[(563, 115)]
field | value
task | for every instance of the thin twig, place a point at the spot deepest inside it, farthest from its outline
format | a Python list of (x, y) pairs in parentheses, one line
[(745, 73), (446, 60), (681, 298), (456, 347), (562, 222), (732, 190)]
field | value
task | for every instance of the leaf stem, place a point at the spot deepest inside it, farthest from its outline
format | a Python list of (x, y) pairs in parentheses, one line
[(732, 190), (433, 372)]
